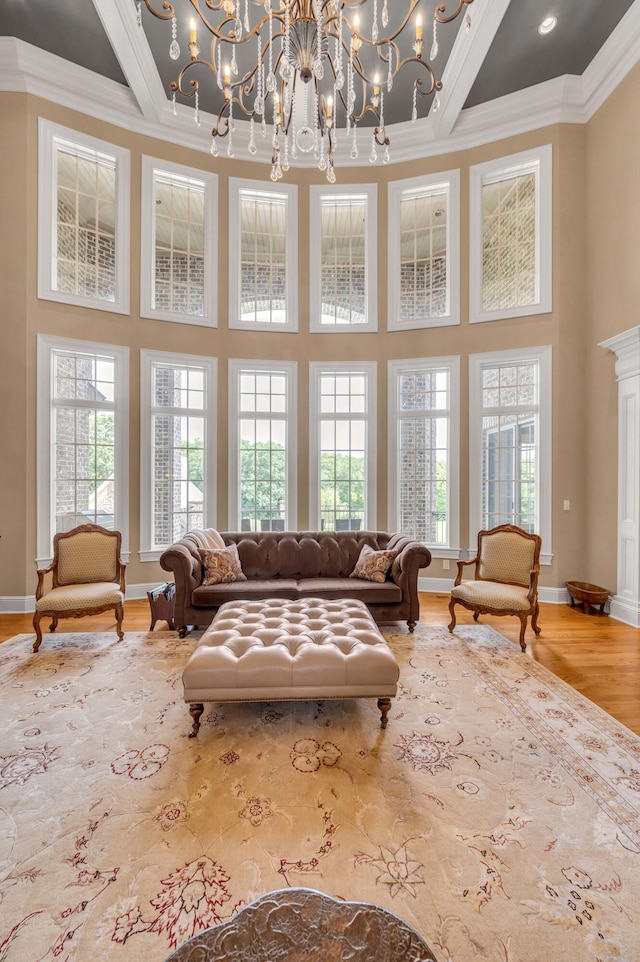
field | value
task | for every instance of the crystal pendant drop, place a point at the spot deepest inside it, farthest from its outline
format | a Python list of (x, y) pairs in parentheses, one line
[(173, 101), (354, 145), (318, 69), (258, 104), (271, 82), (213, 150), (436, 103), (234, 63), (331, 174), (385, 14), (373, 156), (174, 50), (390, 71), (339, 79), (139, 13), (387, 156), (273, 173), (374, 32), (278, 172), (252, 137), (274, 141), (434, 46), (247, 25), (414, 114), (230, 152), (238, 28)]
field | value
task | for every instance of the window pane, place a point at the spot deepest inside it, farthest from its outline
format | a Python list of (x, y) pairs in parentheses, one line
[(263, 268), (423, 255), (510, 445), (179, 244), (263, 450), (343, 266), (508, 242), (85, 231), (423, 452), (343, 450)]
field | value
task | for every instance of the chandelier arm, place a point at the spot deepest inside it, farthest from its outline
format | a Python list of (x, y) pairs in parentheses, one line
[(156, 13), (378, 133), (441, 8)]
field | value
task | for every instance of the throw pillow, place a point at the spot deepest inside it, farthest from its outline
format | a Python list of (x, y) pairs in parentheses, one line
[(222, 565), (373, 565)]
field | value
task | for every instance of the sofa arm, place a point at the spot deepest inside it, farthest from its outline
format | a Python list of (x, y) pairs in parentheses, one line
[(413, 556), (187, 574)]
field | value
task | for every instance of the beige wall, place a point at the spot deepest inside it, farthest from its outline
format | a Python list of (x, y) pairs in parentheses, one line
[(23, 316), (613, 303)]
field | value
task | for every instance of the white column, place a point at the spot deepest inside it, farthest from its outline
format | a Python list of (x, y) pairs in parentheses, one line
[(625, 606)]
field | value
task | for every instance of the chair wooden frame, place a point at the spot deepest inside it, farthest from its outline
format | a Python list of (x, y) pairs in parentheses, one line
[(532, 595), (56, 614)]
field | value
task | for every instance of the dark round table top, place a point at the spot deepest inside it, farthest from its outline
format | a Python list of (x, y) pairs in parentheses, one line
[(303, 925)]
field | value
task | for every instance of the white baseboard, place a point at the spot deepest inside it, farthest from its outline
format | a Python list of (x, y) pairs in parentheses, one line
[(626, 611), (26, 604)]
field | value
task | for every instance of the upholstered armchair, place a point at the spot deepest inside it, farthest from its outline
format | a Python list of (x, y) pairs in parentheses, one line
[(505, 582), (87, 578)]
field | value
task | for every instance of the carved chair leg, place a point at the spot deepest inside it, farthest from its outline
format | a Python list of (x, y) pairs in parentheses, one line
[(534, 619), (384, 704), (411, 625), (38, 630), (195, 710), (119, 617), (452, 605), (54, 624), (523, 628)]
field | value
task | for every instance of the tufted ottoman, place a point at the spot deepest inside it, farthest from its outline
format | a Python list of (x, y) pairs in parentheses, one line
[(279, 650)]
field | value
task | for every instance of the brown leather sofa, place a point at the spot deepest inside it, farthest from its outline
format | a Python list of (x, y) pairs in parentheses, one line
[(298, 564)]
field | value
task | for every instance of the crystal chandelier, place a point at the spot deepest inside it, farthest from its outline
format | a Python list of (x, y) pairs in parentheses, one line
[(306, 66)]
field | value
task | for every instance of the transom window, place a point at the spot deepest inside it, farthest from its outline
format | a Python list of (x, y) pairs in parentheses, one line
[(511, 443), (263, 250), (262, 431), (424, 434), (82, 437), (178, 456), (343, 457), (343, 254), (178, 253), (83, 209), (424, 251), (510, 217)]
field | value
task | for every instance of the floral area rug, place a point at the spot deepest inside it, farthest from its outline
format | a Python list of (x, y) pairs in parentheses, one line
[(498, 814)]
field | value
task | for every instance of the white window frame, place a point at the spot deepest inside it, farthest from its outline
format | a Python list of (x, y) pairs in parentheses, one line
[(46, 346), (369, 370), (149, 551), (316, 193), (538, 162), (448, 182), (427, 364), (290, 370), (151, 166), (477, 364), (49, 136), (290, 191)]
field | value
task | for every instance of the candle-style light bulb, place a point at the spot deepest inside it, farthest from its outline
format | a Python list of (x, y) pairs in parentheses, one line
[(419, 27), (193, 31), (376, 84)]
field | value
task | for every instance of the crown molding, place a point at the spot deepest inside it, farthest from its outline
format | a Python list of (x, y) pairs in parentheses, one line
[(569, 99)]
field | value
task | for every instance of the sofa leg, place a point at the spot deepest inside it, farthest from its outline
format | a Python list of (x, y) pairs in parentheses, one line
[(384, 704), (411, 625), (195, 710), (182, 631)]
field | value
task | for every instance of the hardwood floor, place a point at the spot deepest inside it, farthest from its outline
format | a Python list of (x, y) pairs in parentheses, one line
[(596, 655)]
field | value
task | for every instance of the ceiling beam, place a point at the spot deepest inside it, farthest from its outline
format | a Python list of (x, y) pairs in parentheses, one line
[(132, 49), (467, 56)]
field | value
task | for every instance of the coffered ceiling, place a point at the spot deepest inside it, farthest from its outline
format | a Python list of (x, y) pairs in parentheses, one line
[(499, 74)]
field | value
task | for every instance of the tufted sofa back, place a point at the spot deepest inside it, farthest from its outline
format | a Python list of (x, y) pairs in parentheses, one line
[(299, 554)]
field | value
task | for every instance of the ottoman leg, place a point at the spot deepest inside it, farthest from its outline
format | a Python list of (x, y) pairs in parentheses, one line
[(195, 710), (384, 704)]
